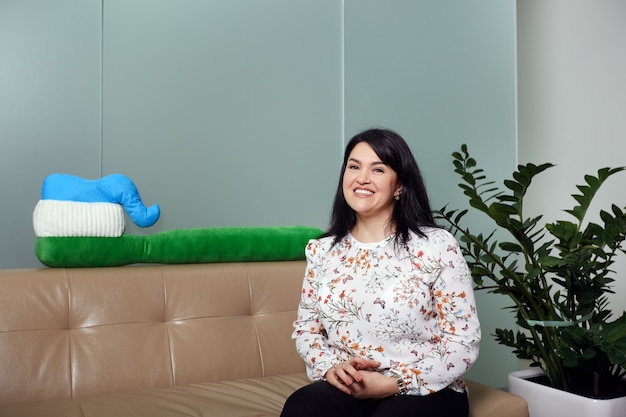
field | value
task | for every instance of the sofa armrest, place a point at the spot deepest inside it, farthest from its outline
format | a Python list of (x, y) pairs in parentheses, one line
[(486, 401)]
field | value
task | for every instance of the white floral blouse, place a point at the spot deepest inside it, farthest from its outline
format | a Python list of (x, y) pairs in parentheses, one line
[(412, 308)]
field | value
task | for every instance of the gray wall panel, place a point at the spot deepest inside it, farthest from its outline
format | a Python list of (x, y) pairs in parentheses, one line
[(49, 108), (224, 111), (441, 74)]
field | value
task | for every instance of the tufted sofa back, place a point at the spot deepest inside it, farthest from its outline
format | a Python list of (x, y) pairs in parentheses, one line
[(73, 332)]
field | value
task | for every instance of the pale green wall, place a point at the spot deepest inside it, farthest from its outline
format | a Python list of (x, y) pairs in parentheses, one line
[(235, 112), (442, 74), (49, 108), (224, 111)]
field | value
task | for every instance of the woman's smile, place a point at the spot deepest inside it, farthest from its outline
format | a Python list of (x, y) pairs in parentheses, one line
[(369, 185)]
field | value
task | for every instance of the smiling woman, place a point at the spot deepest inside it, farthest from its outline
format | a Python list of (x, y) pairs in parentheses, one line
[(387, 320), (370, 187), (411, 209)]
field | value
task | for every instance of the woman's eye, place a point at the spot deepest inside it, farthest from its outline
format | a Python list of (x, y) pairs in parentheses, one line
[(379, 170), (352, 167)]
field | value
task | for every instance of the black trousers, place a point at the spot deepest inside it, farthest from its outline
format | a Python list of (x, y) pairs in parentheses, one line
[(320, 399)]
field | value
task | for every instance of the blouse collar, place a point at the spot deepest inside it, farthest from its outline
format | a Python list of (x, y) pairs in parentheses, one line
[(372, 245)]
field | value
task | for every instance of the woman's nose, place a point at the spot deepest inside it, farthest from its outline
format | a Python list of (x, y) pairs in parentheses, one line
[(363, 178)]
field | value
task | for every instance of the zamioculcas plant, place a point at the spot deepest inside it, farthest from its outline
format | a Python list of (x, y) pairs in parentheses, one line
[(557, 275)]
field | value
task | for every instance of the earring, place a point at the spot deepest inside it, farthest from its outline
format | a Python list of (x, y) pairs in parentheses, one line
[(397, 197)]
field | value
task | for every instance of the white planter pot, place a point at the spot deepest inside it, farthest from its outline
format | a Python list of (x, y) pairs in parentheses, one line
[(544, 401)]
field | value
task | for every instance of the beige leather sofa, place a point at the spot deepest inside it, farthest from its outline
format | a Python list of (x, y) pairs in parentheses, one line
[(160, 340)]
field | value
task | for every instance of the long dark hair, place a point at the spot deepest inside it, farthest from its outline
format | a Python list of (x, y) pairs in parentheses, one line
[(411, 212)]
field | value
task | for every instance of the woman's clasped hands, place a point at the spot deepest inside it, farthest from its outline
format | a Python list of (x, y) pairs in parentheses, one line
[(358, 377)]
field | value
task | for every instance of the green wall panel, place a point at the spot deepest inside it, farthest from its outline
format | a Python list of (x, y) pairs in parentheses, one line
[(49, 108), (225, 112), (441, 74)]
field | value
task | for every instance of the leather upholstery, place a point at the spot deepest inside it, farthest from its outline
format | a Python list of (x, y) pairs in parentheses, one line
[(160, 340)]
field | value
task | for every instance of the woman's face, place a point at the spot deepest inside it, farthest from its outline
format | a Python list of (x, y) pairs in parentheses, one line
[(369, 185)]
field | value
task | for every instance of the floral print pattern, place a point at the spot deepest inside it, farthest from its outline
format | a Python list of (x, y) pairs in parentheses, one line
[(410, 307)]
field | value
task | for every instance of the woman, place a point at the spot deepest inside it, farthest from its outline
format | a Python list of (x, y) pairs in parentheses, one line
[(387, 321)]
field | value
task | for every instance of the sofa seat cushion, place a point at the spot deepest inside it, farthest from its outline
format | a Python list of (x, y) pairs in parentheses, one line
[(251, 397), (258, 397)]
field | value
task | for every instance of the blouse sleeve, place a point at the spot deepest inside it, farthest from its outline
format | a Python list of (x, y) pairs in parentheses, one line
[(455, 329), (309, 334)]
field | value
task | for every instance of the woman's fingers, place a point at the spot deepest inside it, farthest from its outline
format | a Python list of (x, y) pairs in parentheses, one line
[(337, 377), (345, 374), (360, 363), (348, 373)]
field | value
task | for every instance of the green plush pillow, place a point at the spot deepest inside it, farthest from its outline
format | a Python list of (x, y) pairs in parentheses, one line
[(226, 244)]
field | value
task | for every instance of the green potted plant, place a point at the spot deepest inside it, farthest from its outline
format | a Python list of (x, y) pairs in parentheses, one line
[(556, 275)]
